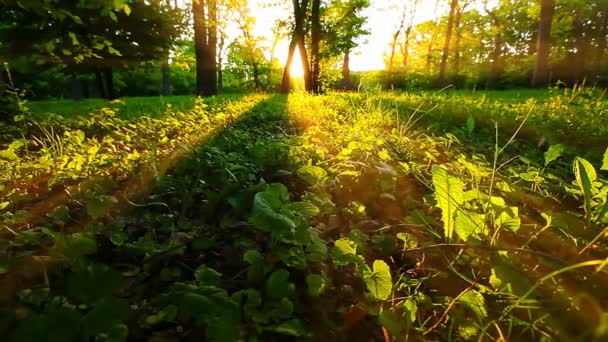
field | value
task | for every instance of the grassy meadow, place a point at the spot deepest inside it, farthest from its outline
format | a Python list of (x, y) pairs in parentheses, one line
[(449, 215)]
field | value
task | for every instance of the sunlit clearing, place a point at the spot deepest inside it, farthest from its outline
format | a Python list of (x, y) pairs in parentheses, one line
[(296, 64)]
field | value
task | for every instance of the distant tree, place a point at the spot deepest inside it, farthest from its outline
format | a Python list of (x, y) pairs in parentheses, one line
[(205, 46), (88, 36), (540, 78), (298, 38), (446, 47)]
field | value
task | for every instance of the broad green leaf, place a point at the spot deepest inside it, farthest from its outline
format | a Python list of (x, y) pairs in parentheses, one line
[(57, 324), (277, 284), (554, 152), (411, 308), (126, 9), (475, 301), (469, 224), (449, 193), (315, 284), (4, 205), (312, 175), (316, 249), (409, 240), (344, 252), (605, 161), (285, 308), (390, 321), (266, 214), (73, 38), (378, 281), (292, 327), (585, 176), (508, 217), (207, 276), (303, 209), (79, 244)]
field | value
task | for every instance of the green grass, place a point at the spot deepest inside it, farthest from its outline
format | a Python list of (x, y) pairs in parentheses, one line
[(333, 217), (128, 108)]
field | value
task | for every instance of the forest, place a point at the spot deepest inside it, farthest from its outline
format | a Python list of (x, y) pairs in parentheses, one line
[(304, 170)]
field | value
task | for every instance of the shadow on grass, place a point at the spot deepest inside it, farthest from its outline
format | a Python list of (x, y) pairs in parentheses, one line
[(33, 264)]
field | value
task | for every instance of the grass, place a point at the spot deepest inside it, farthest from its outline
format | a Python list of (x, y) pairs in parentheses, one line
[(329, 217), (129, 108)]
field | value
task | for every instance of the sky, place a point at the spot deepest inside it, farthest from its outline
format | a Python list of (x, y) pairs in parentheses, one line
[(383, 19)]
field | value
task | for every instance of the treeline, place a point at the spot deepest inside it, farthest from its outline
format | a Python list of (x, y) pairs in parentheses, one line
[(111, 48), (500, 44)]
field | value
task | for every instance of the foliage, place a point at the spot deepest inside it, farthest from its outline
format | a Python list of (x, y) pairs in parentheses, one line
[(307, 217)]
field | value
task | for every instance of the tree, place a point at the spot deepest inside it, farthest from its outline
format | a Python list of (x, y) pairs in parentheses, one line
[(87, 36), (540, 78), (446, 46), (391, 59), (300, 10), (205, 46), (166, 86), (496, 69), (315, 37), (408, 31)]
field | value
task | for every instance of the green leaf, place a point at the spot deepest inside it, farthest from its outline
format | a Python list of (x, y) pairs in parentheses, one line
[(292, 327), (312, 175), (390, 321), (303, 209), (106, 313), (411, 308), (469, 224), (470, 125), (266, 214), (126, 9), (585, 176), (316, 284), (119, 238), (277, 284), (507, 217), (475, 301), (409, 240), (379, 281), (79, 244), (449, 193), (605, 161), (554, 152), (73, 38), (4, 205), (207, 276), (344, 252)]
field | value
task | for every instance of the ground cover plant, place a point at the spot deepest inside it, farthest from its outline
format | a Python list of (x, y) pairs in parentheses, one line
[(352, 216)]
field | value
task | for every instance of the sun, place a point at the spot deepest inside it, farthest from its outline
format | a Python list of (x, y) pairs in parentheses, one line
[(296, 69)]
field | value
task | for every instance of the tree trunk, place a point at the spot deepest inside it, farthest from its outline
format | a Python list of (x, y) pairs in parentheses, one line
[(315, 36), (298, 39), (220, 64), (166, 88), (164, 69), (105, 83), (446, 46), (601, 46), (391, 59), (75, 88), (212, 47), (345, 83), (200, 44), (496, 69), (256, 76), (287, 70), (540, 78), (406, 46), (578, 58), (457, 41)]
